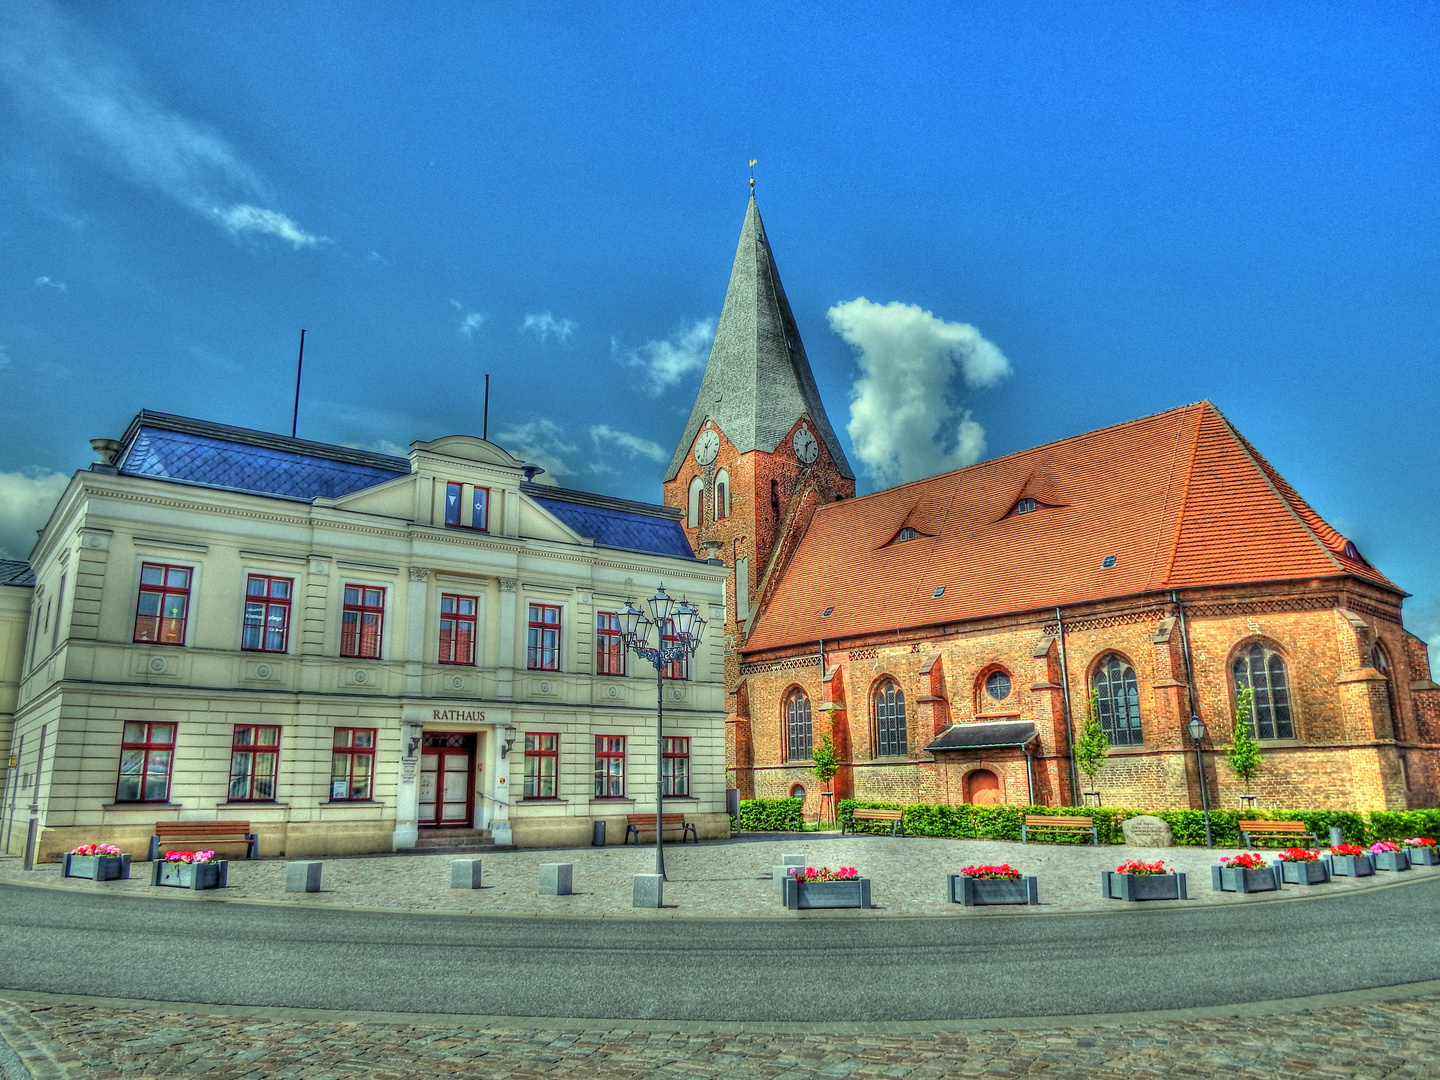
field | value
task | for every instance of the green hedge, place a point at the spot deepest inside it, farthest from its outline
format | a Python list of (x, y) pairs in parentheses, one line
[(771, 815), (968, 822)]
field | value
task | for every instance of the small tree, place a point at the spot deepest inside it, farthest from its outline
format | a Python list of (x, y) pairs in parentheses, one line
[(1243, 756), (827, 761), (1092, 748)]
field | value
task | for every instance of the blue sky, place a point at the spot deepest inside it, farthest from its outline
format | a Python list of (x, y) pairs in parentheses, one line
[(1131, 206)]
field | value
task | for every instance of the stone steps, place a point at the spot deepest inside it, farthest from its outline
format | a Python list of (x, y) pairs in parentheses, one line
[(457, 842)]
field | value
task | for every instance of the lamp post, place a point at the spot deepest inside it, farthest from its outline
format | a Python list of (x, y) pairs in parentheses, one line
[(678, 629), (1197, 732)]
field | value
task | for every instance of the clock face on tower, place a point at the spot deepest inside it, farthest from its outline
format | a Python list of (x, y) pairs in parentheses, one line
[(707, 445), (806, 448)]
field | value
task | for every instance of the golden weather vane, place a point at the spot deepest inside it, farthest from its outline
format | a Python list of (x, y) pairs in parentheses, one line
[(752, 172)]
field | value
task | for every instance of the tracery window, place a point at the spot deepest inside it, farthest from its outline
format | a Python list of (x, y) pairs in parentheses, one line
[(1262, 669), (890, 719), (1118, 701), (797, 726)]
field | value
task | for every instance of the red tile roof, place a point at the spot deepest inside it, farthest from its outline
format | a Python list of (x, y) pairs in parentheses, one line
[(1180, 499)]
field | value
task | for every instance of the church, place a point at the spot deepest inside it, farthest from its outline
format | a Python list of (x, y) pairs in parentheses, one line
[(952, 635)]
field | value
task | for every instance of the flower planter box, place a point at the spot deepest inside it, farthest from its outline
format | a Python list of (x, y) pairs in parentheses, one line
[(1304, 873), (1423, 856), (1241, 879), (827, 894), (974, 892), (1350, 865), (178, 875), (1391, 860), (97, 867), (1142, 886)]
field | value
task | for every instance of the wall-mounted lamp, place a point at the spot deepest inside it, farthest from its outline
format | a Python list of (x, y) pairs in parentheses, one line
[(507, 741), (414, 735)]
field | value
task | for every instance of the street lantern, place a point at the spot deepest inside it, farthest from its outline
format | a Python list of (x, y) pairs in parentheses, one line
[(686, 632), (1198, 732)]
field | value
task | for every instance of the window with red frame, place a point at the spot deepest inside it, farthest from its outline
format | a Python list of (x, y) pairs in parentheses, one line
[(352, 765), (542, 766), (361, 622), (146, 753), (543, 650), (679, 668), (267, 613), (609, 766), (675, 766), (609, 646), (453, 492), (478, 506), (457, 629), (164, 604), (254, 760)]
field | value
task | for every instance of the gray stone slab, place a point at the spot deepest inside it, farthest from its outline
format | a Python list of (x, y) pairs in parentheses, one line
[(648, 891), (465, 873), (556, 878), (303, 876)]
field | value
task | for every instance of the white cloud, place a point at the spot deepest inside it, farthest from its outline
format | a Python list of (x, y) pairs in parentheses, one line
[(634, 445), (4, 357), (67, 84), (539, 442), (470, 321), (903, 423), (26, 499), (48, 282), (662, 364), (545, 326), (378, 259)]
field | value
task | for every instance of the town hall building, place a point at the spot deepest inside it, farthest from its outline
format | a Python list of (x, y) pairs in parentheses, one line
[(951, 635)]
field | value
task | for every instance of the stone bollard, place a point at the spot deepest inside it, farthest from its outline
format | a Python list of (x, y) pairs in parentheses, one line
[(649, 891), (778, 874), (303, 877), (465, 874), (556, 878)]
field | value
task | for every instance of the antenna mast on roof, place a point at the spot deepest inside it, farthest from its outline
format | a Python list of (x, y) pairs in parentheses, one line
[(299, 366), (485, 422)]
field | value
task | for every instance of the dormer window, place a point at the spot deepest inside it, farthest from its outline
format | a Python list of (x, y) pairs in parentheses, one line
[(1024, 506), (467, 506), (907, 533)]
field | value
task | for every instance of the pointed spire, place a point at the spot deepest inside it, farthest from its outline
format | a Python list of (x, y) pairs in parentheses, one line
[(758, 381)]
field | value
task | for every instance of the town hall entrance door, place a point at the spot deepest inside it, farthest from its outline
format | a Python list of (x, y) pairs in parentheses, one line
[(982, 788), (447, 780)]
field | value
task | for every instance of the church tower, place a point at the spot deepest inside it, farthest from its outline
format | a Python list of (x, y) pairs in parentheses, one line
[(758, 455)]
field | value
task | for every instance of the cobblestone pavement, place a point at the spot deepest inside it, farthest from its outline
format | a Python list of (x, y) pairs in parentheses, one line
[(716, 879), (75, 1041)]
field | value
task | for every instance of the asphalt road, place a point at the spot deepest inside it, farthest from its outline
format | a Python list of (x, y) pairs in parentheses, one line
[(779, 971)]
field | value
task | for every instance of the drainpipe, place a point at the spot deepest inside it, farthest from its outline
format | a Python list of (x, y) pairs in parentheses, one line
[(1030, 770), (1065, 684), (1194, 712)]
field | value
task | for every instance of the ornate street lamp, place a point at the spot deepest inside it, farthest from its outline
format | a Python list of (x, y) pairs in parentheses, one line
[(1197, 732), (678, 630)]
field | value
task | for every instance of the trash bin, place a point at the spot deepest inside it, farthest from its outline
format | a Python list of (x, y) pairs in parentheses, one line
[(597, 834), (1336, 836)]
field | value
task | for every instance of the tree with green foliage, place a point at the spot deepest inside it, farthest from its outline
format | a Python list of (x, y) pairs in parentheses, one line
[(827, 761), (1243, 755), (1092, 748)]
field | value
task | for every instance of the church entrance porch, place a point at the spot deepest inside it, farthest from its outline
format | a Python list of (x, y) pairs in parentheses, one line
[(447, 780)]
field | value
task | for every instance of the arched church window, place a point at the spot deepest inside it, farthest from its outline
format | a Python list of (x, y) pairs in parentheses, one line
[(797, 725), (1381, 663), (774, 494), (890, 719), (1118, 701), (697, 494), (722, 495), (1262, 669)]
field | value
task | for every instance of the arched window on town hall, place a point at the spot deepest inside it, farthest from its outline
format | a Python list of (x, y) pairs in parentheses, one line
[(797, 726), (1118, 701), (889, 719), (697, 497), (1263, 670), (722, 495)]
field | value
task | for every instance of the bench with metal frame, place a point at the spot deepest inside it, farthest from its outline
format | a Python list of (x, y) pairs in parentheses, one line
[(1066, 824), (635, 822), (870, 813), (178, 834), (1279, 829)]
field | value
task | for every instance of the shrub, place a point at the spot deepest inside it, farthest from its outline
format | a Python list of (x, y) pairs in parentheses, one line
[(771, 815)]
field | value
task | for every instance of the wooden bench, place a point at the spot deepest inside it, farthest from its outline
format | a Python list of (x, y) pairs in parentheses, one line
[(187, 835), (1282, 829), (1066, 824), (866, 813), (635, 822)]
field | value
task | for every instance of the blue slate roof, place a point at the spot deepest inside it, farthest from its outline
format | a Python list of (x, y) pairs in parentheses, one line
[(616, 523), (15, 572), (166, 447)]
